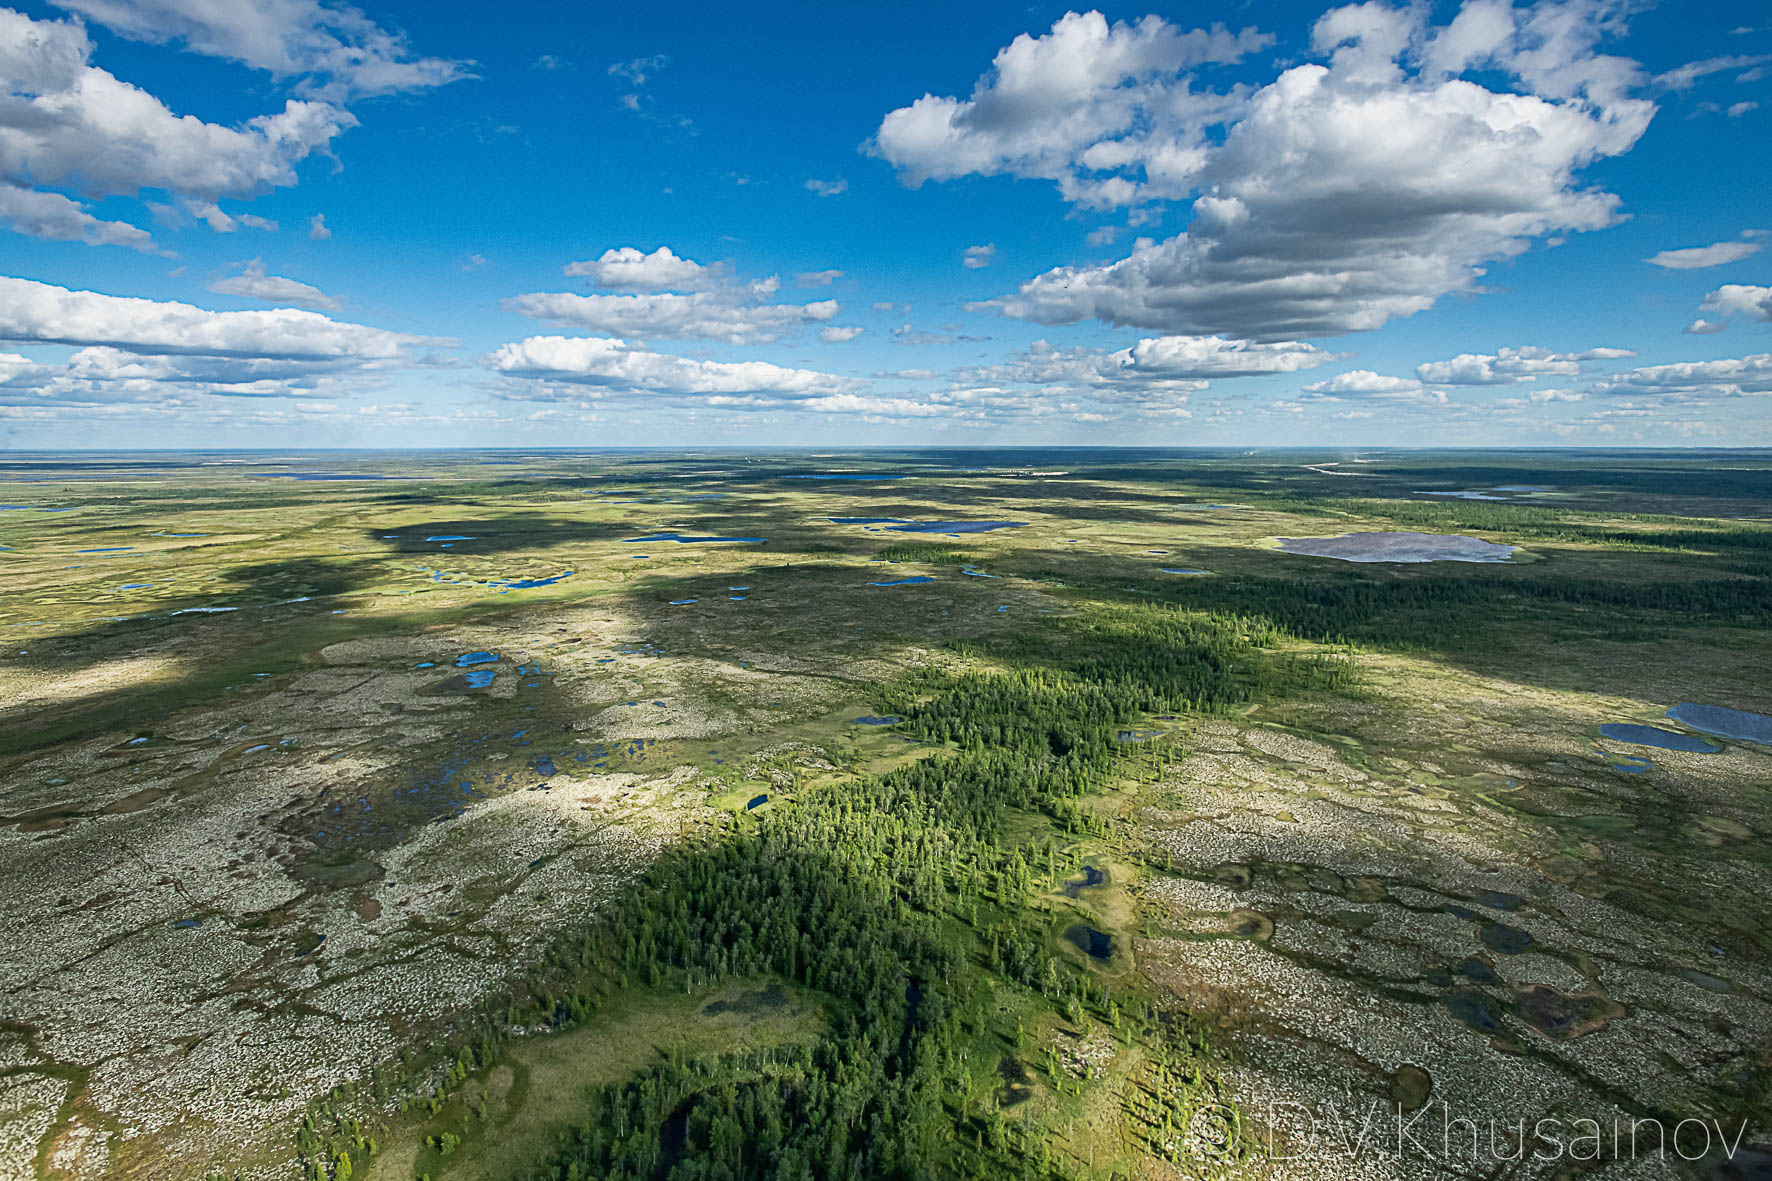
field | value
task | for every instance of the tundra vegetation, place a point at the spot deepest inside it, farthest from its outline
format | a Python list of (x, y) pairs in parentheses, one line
[(575, 815)]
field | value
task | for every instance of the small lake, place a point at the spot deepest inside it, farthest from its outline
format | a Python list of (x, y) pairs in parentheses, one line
[(954, 526), (1399, 547), (878, 720), (846, 476), (451, 537), (529, 583), (683, 539), (1657, 737), (1468, 495), (469, 659), (865, 520), (1729, 723), (1098, 944), (1092, 877), (479, 678), (913, 580), (1182, 570)]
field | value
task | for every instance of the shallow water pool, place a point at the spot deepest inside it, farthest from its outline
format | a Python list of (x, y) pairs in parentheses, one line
[(1399, 547), (1729, 723), (1657, 737)]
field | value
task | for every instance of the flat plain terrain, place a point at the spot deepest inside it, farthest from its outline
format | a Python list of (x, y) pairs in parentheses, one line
[(585, 814)]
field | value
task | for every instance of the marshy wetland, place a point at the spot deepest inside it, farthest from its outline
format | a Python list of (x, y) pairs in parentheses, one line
[(890, 814)]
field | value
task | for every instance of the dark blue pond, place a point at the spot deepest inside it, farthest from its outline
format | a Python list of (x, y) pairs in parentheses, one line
[(1656, 736), (1181, 570), (1629, 764), (914, 580), (135, 586), (683, 602), (528, 583), (845, 476), (107, 549), (468, 659), (756, 802), (865, 520), (1099, 944), (479, 678), (878, 720), (450, 537), (955, 526), (684, 539), (1730, 723), (1091, 877), (1502, 938)]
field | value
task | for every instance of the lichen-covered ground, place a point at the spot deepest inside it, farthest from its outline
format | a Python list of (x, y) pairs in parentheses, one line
[(263, 826), (1447, 895)]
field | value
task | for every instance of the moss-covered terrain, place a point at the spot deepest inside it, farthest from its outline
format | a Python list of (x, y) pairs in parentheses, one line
[(577, 815)]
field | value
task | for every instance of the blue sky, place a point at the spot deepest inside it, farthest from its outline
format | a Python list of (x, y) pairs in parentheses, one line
[(1258, 223)]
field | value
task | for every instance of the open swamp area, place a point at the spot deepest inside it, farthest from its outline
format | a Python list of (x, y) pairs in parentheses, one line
[(998, 813)]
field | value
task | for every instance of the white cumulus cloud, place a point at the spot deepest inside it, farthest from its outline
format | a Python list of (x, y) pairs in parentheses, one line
[(1086, 98), (149, 351), (253, 283), (1175, 362), (620, 366), (39, 313), (1693, 258), (331, 49), (43, 214), (1733, 375), (1333, 199), (627, 268), (1357, 382), (1739, 299), (701, 316), (1507, 366), (67, 123), (673, 298)]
